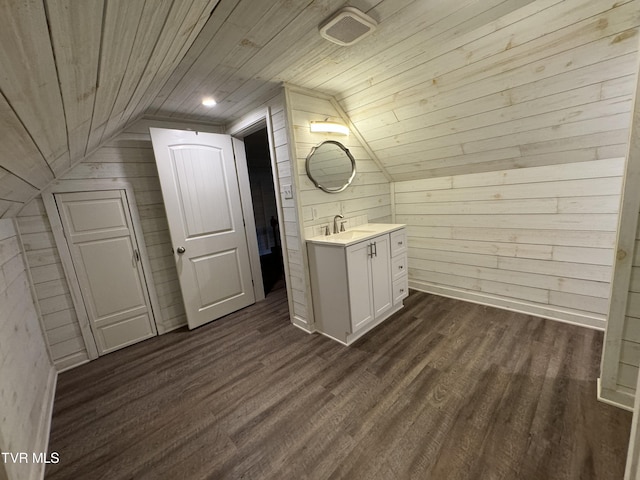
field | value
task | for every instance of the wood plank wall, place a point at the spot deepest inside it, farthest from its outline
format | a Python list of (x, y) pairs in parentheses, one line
[(27, 376), (621, 350), (275, 103), (52, 290), (294, 243), (552, 76), (630, 348), (367, 197), (369, 194), (127, 157), (538, 240)]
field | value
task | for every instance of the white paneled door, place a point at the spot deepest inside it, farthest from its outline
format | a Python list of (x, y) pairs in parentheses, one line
[(105, 256), (202, 199)]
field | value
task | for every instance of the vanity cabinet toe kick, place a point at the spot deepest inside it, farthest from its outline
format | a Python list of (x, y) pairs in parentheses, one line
[(357, 286)]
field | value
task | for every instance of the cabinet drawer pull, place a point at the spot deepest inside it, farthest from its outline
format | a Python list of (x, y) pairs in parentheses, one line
[(402, 290), (400, 267)]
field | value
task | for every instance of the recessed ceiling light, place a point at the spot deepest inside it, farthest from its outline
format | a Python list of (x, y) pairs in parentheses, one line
[(208, 102)]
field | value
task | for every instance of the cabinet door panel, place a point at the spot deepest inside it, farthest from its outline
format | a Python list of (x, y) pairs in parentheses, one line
[(360, 288), (381, 275)]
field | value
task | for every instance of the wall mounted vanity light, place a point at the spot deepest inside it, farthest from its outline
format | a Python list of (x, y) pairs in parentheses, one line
[(328, 127)]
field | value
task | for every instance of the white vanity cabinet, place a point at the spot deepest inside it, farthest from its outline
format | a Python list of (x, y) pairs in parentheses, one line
[(369, 272), (353, 282)]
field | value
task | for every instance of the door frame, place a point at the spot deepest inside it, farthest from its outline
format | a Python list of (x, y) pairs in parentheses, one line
[(246, 201), (71, 186), (254, 122)]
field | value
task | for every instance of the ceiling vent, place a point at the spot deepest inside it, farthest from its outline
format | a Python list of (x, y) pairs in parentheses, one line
[(347, 26)]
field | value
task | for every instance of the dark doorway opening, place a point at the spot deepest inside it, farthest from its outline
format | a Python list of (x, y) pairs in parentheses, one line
[(265, 209)]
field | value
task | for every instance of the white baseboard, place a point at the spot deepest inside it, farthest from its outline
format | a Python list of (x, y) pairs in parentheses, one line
[(302, 324), (173, 328), (42, 438), (511, 305), (71, 361), (616, 398)]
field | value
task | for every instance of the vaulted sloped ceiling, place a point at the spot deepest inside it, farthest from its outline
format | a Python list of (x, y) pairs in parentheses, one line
[(73, 73), (250, 47), (442, 87)]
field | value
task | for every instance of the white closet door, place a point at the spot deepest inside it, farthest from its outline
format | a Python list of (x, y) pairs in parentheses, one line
[(105, 255)]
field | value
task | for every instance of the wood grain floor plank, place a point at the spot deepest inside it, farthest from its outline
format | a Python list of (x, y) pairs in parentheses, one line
[(442, 390)]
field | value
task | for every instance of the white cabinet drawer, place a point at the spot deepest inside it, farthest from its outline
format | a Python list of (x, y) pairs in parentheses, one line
[(398, 242), (399, 266), (400, 289)]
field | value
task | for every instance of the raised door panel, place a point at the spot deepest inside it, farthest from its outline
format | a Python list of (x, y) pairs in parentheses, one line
[(381, 275), (83, 222), (360, 288), (120, 334), (112, 278), (203, 194), (213, 286)]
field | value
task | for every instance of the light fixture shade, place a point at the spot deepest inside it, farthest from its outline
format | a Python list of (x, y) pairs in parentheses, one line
[(329, 127), (208, 102)]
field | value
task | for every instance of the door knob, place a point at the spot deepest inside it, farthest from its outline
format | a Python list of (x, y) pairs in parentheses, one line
[(180, 250)]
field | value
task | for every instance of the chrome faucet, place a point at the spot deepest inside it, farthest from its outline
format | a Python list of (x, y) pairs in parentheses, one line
[(335, 223)]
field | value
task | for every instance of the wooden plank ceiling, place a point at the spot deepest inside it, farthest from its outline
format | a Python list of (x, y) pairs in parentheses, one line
[(75, 73)]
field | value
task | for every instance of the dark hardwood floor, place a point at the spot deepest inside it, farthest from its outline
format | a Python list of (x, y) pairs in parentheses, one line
[(443, 390)]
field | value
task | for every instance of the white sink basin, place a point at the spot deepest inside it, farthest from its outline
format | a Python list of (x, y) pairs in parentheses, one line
[(358, 234), (350, 235)]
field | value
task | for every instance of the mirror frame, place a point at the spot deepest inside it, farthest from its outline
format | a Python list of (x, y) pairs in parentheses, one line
[(319, 185)]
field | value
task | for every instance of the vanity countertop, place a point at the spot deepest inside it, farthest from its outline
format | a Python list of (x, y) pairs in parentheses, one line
[(356, 234)]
